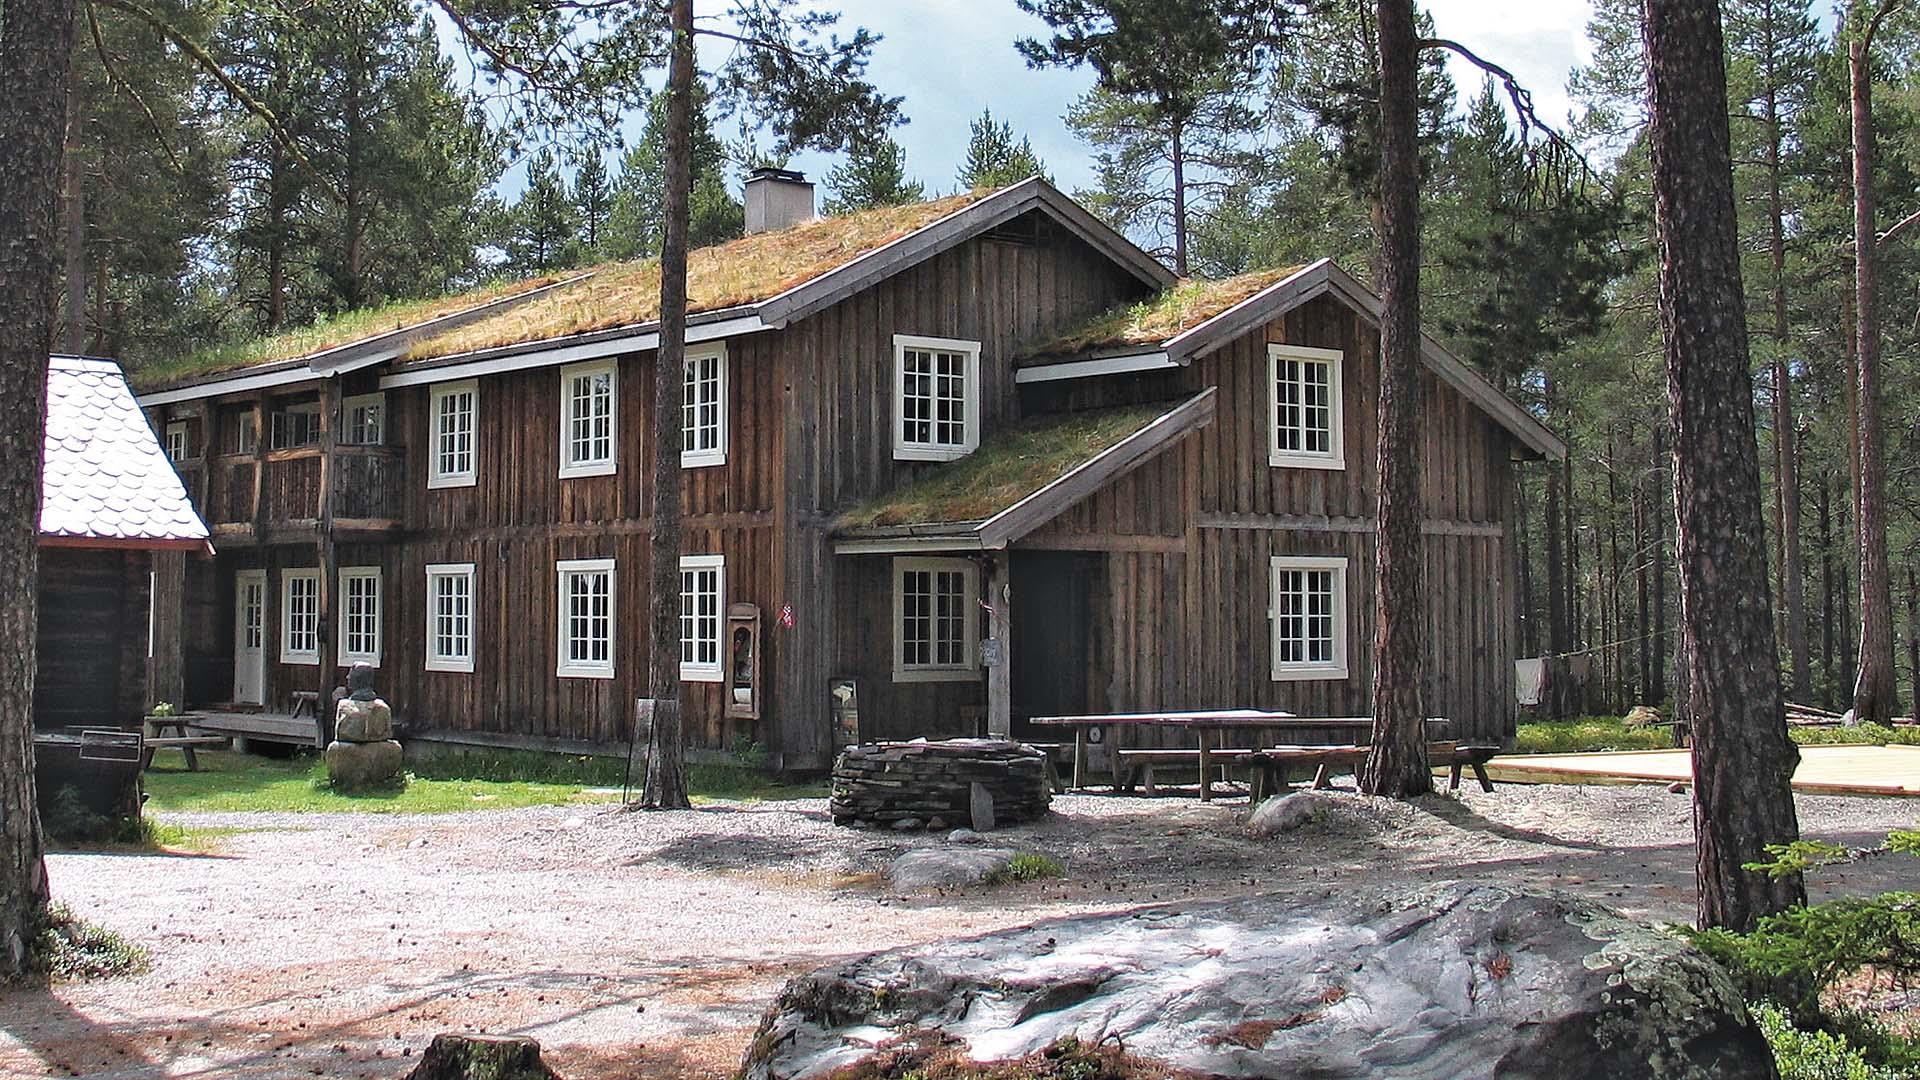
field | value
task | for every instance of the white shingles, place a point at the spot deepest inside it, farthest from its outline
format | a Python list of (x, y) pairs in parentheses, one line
[(105, 478)]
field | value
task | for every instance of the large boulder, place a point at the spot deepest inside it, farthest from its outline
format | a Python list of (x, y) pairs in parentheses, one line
[(482, 1057), (362, 721), (1447, 982), (947, 867), (353, 765)]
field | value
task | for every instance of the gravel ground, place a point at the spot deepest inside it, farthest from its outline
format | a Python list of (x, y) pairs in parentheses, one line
[(647, 944)]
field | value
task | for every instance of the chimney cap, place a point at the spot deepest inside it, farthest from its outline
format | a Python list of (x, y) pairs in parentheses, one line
[(769, 172)]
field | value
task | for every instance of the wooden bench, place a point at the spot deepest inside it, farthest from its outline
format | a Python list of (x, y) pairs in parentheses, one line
[(154, 737), (1267, 766), (1128, 763)]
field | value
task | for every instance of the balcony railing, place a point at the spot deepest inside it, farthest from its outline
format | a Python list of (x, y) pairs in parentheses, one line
[(369, 486)]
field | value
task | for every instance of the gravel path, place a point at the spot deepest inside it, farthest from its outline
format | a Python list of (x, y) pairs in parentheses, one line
[(648, 944)]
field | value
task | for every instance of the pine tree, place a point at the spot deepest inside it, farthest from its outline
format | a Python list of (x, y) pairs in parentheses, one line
[(543, 223), (874, 174), (633, 224), (592, 196), (994, 159)]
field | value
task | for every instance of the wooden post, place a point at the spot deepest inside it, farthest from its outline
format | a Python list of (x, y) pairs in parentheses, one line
[(259, 466), (999, 648), (325, 619), (1206, 764)]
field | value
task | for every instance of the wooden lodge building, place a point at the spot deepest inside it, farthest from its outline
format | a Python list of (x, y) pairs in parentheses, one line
[(946, 466)]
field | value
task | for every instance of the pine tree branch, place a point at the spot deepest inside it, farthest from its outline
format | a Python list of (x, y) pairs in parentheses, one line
[(114, 78), (1521, 97), (1896, 227)]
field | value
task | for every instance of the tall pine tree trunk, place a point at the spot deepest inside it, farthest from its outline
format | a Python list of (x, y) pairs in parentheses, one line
[(1786, 472), (1179, 163), (1742, 758), (36, 46), (1874, 689), (666, 787), (1397, 760)]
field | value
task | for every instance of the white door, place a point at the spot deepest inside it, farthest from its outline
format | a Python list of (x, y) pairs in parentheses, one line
[(249, 635)]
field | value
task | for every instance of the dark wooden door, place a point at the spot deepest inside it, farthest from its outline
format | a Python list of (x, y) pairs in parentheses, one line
[(1052, 635)]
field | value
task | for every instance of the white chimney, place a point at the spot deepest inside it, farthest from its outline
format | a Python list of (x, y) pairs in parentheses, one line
[(776, 199)]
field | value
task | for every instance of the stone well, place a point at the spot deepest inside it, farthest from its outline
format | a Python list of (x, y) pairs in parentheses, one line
[(940, 784)]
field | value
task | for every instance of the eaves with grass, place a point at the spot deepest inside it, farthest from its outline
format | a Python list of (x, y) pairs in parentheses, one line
[(1159, 318)]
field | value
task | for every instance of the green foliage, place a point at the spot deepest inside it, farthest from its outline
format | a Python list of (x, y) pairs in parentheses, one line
[(1029, 866), (242, 782), (633, 216), (1814, 1055), (68, 947), (544, 223), (994, 159), (1590, 734), (163, 708), (874, 174)]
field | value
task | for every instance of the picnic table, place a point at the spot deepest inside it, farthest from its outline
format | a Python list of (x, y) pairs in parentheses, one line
[(154, 736), (1205, 724)]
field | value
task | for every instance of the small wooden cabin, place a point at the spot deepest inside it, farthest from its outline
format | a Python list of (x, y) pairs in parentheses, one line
[(945, 467), (109, 500)]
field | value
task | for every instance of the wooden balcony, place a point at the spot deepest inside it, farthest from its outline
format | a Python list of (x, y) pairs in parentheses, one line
[(275, 497)]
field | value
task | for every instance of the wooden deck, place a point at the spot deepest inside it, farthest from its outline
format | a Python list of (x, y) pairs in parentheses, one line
[(1831, 770), (261, 726)]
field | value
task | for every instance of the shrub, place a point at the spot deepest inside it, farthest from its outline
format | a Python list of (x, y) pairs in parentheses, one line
[(1030, 866), (69, 947), (1814, 1055)]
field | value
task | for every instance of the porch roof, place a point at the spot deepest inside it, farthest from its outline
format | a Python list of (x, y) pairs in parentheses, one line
[(105, 481), (1019, 478)]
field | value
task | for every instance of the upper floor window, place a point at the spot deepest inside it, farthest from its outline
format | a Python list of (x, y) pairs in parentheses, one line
[(295, 426), (177, 441), (588, 419), (1309, 613), (935, 633), (936, 397), (360, 615), (450, 617), (703, 414), (300, 617), (586, 618), (243, 433), (1303, 388), (454, 408), (702, 591), (365, 420)]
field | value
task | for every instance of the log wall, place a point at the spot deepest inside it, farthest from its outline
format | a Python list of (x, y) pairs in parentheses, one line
[(91, 645)]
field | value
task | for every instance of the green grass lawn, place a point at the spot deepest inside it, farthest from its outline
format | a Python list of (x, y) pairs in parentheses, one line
[(457, 780), (1593, 734)]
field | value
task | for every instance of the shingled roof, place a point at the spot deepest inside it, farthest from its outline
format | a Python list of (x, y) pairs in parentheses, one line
[(106, 482)]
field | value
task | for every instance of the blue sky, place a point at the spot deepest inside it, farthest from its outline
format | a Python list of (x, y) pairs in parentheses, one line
[(952, 58)]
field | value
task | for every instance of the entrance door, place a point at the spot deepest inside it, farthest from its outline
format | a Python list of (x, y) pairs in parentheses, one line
[(1052, 635), (249, 636)]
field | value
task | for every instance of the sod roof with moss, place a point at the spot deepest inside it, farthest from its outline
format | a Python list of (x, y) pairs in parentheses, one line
[(1008, 466), (1153, 321)]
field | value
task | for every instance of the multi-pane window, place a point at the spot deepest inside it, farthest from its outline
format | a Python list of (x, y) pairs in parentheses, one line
[(1304, 407), (245, 434), (936, 398), (587, 419), (365, 420), (703, 412), (454, 407), (360, 615), (295, 426), (934, 619), (586, 618), (450, 617), (1309, 612), (300, 617), (702, 586), (177, 441)]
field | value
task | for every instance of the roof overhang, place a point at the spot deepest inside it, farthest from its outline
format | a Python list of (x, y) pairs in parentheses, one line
[(112, 543), (1112, 364)]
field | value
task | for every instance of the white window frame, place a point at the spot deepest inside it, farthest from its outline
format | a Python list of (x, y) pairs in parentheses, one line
[(1334, 457), (693, 670), (968, 669), (246, 434), (177, 440), (1296, 670), (275, 423), (905, 450), (437, 660), (348, 657), (564, 570), (288, 653), (571, 466), (701, 456), (442, 478), (353, 404)]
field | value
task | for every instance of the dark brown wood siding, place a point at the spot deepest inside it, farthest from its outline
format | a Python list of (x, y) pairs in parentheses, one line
[(92, 642)]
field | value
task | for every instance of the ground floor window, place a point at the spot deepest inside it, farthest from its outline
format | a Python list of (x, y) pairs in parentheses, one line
[(450, 617), (1309, 615), (360, 615), (300, 617), (586, 618), (702, 589), (935, 629)]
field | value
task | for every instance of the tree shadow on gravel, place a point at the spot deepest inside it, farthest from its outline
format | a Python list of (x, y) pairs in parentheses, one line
[(1461, 816), (707, 853)]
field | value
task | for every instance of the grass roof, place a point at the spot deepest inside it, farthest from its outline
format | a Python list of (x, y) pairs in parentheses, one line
[(326, 334), (1007, 467), (742, 271), (1190, 302)]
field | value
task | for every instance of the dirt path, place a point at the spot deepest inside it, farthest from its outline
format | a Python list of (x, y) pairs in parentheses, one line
[(648, 944)]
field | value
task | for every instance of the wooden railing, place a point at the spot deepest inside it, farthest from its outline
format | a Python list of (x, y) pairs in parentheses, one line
[(369, 483), (369, 487)]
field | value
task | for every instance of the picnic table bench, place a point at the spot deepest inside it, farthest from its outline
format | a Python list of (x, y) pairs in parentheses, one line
[(1267, 766), (153, 736)]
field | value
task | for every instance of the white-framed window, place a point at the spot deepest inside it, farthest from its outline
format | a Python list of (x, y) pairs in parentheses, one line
[(589, 418), (703, 591), (300, 617), (450, 617), (365, 420), (1309, 615), (1303, 408), (177, 441), (936, 398), (935, 624), (703, 413), (455, 409), (295, 426), (360, 615), (246, 435), (586, 618)]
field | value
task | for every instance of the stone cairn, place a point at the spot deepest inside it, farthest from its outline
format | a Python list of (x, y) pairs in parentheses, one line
[(363, 752), (938, 785)]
